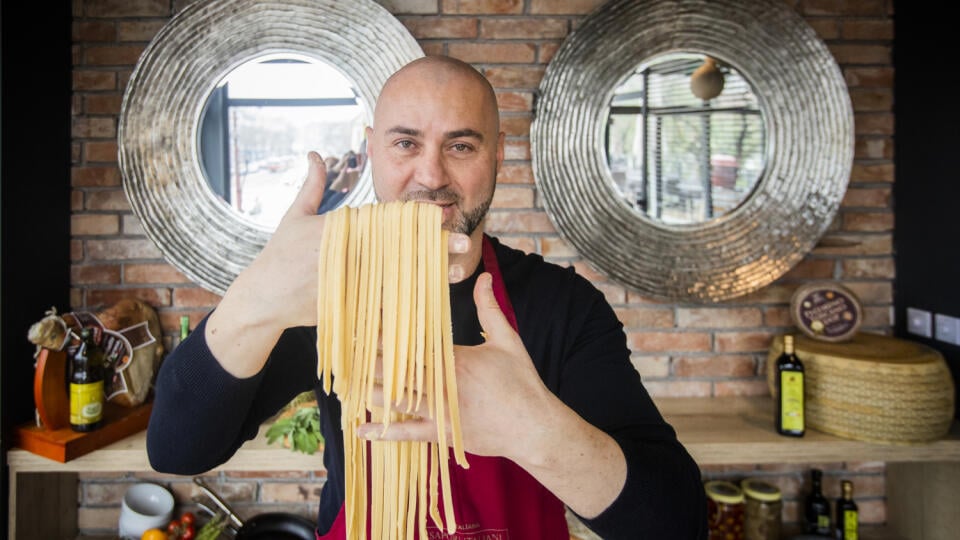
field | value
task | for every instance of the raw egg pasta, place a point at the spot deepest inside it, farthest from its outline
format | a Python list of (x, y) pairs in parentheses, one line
[(383, 321)]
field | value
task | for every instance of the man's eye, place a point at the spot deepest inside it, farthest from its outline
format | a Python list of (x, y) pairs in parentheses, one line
[(405, 144), (461, 147)]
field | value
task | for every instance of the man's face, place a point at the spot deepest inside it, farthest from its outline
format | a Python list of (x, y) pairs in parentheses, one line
[(435, 139)]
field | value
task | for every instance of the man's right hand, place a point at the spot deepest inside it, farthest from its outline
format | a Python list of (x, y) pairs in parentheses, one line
[(279, 288)]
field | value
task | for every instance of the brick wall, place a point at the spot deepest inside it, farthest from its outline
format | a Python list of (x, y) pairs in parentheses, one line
[(680, 349)]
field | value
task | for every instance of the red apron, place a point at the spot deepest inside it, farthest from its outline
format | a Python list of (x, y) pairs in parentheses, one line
[(494, 499)]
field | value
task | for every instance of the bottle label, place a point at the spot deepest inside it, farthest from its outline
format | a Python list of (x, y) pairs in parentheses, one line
[(850, 526), (86, 403), (791, 397), (823, 523)]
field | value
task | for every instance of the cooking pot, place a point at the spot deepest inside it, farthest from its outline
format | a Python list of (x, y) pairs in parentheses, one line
[(267, 526)]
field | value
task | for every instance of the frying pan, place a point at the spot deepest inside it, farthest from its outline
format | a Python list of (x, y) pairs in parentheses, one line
[(267, 526)]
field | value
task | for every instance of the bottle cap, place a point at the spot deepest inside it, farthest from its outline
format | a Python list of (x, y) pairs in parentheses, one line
[(723, 492), (759, 490)]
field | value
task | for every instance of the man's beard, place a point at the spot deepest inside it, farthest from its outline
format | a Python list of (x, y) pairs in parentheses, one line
[(464, 221)]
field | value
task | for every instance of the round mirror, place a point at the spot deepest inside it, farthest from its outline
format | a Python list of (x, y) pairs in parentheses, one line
[(684, 140), (795, 166), (199, 177), (263, 117)]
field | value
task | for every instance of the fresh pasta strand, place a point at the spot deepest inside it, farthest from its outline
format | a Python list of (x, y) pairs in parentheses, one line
[(382, 280)]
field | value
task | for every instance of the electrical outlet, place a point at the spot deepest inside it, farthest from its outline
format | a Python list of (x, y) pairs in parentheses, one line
[(919, 322), (947, 329)]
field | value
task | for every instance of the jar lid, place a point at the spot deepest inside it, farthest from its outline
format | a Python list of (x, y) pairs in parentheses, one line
[(760, 490), (723, 492)]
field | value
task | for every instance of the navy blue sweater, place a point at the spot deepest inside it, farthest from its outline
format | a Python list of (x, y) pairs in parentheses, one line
[(572, 335)]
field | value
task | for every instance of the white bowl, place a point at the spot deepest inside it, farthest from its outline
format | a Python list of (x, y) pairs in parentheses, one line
[(145, 506)]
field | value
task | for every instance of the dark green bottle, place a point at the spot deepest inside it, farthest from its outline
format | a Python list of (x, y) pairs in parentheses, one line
[(816, 513)]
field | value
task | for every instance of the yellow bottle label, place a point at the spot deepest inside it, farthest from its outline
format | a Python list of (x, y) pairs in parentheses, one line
[(850, 526), (791, 399), (86, 403)]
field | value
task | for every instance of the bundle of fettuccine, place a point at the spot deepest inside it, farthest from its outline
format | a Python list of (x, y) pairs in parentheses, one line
[(383, 274)]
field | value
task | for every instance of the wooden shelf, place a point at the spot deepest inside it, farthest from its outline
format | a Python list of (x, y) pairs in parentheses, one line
[(717, 431)]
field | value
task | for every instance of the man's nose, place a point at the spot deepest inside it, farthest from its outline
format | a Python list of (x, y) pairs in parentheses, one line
[(431, 171)]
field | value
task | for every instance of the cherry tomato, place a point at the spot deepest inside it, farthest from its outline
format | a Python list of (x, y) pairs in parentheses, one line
[(174, 528), (153, 534), (187, 532), (188, 519)]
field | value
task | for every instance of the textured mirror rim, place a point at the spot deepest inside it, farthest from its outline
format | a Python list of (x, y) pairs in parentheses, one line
[(808, 120), (193, 228)]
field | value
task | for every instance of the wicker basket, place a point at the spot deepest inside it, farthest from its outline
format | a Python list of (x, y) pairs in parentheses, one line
[(873, 388)]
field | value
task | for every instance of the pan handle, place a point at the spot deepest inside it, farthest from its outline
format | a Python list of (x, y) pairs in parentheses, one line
[(219, 502)]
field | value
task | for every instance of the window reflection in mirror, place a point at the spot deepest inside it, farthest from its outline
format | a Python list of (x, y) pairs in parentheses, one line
[(685, 139), (261, 120)]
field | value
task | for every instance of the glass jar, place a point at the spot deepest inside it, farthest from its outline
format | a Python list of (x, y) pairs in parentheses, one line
[(763, 505), (725, 510)]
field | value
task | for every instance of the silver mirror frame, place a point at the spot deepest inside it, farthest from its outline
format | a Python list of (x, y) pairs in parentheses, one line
[(807, 116), (159, 119)]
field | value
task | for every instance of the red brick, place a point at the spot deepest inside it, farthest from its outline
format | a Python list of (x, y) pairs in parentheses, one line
[(516, 150), (103, 104), (113, 199), (634, 317), (122, 249), (513, 197), (811, 269), (76, 250), (515, 101), (846, 7), (94, 127), (553, 246), (613, 293), (117, 55), (519, 222), (877, 316), (94, 176), (827, 29), (873, 244), (486, 7), (95, 274), (777, 316), (131, 225), (872, 99), (100, 151), (493, 53), (138, 30), (194, 297), (170, 322), (651, 366), (867, 198), (547, 51), (869, 76), (94, 224), (94, 31), (872, 292), (669, 341), (864, 221), (433, 48), (718, 317), (522, 77), (714, 366), (441, 27), (108, 297), (524, 243), (76, 151), (587, 270), (523, 28), (516, 125), (515, 174), (290, 492), (872, 172), (742, 341), (869, 30), (76, 105), (665, 389), (869, 147), (573, 7), (778, 293), (409, 6), (126, 8), (862, 54), (740, 388), (152, 273), (873, 123), (94, 80)]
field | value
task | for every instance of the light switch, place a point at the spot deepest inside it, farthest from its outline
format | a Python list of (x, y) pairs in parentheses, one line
[(919, 322), (947, 329)]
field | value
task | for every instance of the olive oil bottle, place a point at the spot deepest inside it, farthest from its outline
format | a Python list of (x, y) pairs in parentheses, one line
[(816, 513), (848, 516), (86, 384), (790, 404)]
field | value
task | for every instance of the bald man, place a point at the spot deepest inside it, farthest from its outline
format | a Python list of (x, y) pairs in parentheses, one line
[(554, 415)]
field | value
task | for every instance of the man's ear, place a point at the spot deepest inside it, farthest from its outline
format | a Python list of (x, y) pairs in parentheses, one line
[(368, 133), (501, 137)]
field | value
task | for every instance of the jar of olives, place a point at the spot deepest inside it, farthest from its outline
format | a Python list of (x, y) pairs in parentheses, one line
[(725, 510), (763, 505)]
